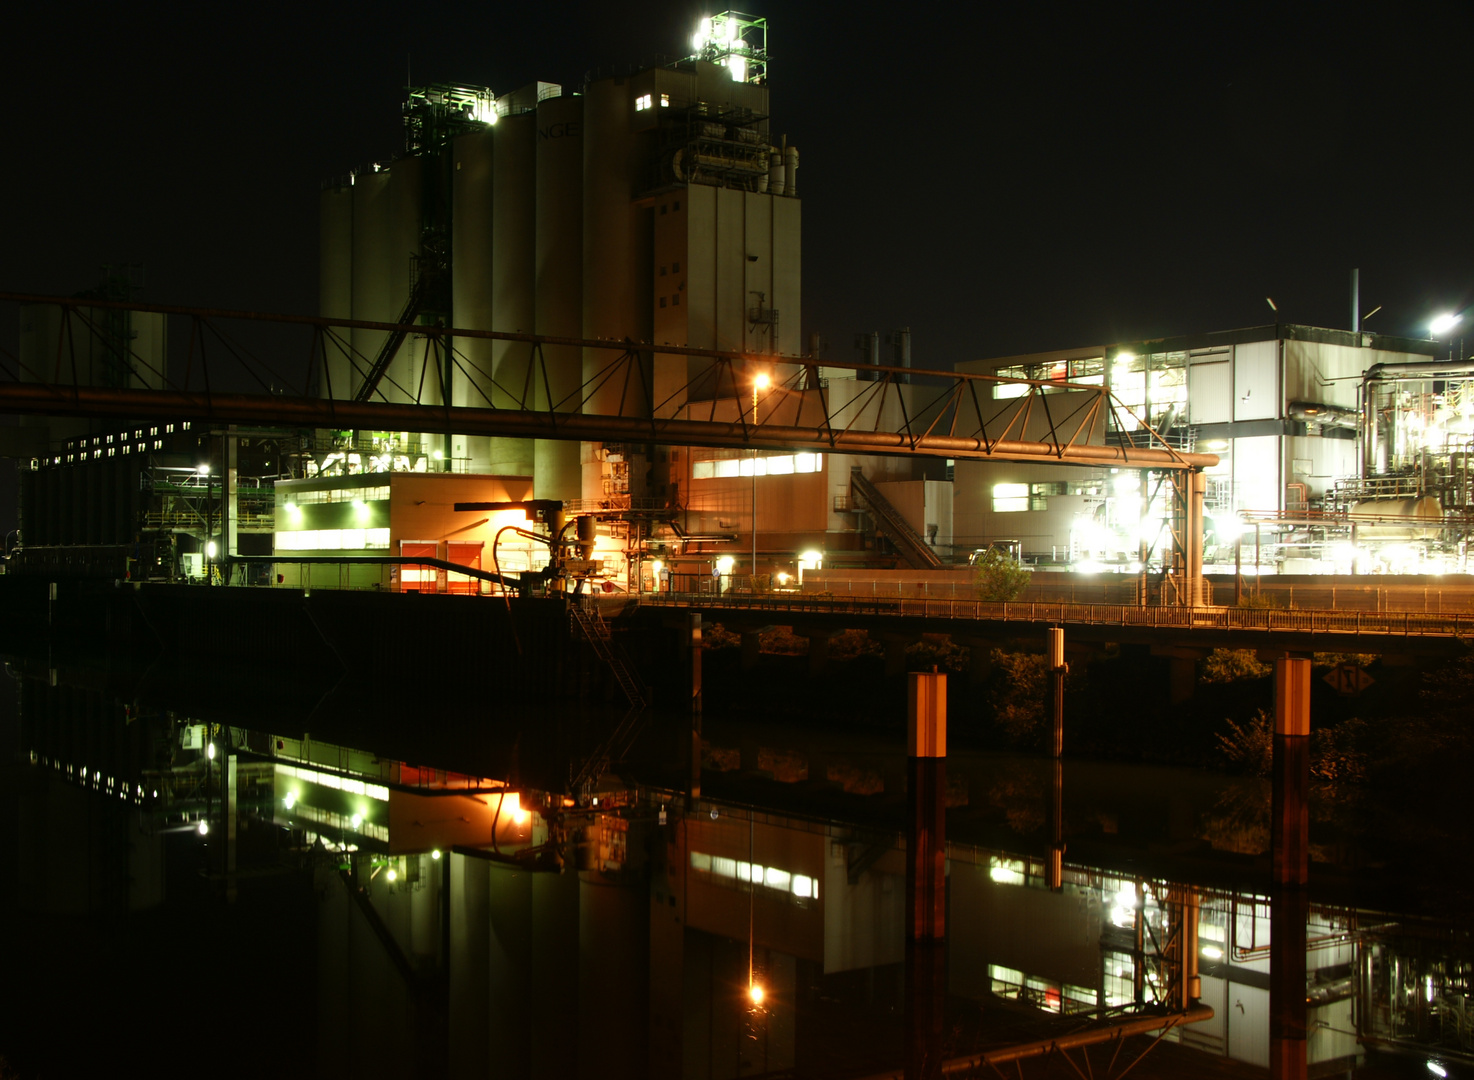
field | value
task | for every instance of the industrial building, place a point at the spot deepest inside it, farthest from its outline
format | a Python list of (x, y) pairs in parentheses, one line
[(658, 209), (1341, 451)]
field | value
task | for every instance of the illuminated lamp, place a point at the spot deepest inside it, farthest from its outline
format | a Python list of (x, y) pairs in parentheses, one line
[(204, 827), (755, 992), (435, 854), (357, 820)]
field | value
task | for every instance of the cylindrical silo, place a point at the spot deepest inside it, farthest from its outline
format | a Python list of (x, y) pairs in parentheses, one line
[(776, 172), (472, 269), (790, 159), (370, 275), (559, 276), (513, 274), (609, 249)]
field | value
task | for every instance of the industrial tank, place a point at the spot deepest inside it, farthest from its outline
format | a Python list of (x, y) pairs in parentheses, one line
[(1402, 519), (513, 213), (472, 242), (559, 277)]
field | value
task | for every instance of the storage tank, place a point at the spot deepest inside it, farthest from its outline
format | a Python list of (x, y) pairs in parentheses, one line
[(559, 276), (1402, 519), (335, 281), (472, 245), (514, 187), (776, 172), (386, 237)]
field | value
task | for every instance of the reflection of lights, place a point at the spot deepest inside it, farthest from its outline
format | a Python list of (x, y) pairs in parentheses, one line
[(1004, 876), (1437, 1069), (204, 827), (1212, 952), (1428, 988), (291, 799)]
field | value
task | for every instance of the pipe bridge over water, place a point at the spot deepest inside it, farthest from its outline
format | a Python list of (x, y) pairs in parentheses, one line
[(226, 368)]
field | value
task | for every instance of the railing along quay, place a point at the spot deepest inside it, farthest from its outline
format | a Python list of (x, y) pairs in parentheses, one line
[(1319, 621)]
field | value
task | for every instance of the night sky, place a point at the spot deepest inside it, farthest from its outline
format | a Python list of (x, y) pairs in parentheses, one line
[(999, 178)]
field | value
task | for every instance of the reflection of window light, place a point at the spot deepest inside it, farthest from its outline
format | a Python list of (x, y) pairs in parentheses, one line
[(1004, 391), (805, 887), (700, 861), (1212, 952), (723, 867), (776, 879)]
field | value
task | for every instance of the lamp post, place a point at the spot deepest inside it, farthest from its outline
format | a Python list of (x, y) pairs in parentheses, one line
[(1442, 325), (758, 384)]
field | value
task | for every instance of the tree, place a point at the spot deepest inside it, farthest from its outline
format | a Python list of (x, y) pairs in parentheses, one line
[(998, 577)]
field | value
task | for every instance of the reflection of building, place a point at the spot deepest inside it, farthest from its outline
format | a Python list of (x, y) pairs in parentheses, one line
[(1308, 423)]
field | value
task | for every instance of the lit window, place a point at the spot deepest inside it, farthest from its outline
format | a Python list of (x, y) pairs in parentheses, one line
[(665, 101), (703, 470), (1009, 498), (642, 102)]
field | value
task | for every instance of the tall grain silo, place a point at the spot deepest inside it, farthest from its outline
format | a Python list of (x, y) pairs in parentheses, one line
[(559, 283)]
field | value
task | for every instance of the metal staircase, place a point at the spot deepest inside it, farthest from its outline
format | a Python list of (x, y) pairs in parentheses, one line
[(912, 547), (585, 618)]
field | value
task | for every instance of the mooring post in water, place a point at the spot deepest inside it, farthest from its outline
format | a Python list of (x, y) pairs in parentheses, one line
[(1055, 871), (1291, 812), (926, 873), (926, 782), (693, 781), (1057, 671), (1290, 858)]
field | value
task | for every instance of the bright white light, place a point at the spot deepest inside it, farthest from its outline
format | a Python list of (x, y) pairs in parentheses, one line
[(656, 566), (204, 827), (1125, 483), (738, 66), (291, 800), (1125, 357), (520, 817), (1005, 876), (725, 564), (210, 751), (810, 560), (762, 382), (435, 854), (392, 874), (1437, 1069), (210, 549), (204, 470), (782, 578), (1212, 952), (1443, 324), (755, 991), (357, 820), (1126, 897), (1229, 527)]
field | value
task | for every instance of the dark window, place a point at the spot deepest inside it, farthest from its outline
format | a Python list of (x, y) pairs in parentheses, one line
[(675, 268), (662, 207), (662, 301), (676, 299), (677, 204), (662, 271)]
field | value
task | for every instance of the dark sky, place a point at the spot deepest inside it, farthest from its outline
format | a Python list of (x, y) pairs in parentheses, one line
[(1001, 178)]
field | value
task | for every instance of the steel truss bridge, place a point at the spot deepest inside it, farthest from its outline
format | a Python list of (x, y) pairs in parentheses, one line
[(244, 368)]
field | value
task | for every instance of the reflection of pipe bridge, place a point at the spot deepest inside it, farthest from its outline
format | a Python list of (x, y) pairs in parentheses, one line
[(894, 411)]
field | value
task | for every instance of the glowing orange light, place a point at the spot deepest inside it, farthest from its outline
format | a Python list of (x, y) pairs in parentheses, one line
[(755, 991), (761, 382)]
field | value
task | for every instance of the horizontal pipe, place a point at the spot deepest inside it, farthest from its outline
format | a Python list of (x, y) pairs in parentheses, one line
[(1196, 1013), (41, 399)]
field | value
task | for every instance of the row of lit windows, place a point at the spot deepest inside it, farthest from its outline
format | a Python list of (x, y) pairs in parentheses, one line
[(333, 780), (800, 885), (778, 465), (1011, 984), (379, 493), (103, 440), (1086, 371), (647, 101), (332, 539)]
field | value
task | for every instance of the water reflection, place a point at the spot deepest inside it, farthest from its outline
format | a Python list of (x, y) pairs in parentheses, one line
[(420, 920)]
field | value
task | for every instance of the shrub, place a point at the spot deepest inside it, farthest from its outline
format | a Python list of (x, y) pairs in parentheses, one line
[(1250, 745), (1019, 693), (1231, 665), (997, 577)]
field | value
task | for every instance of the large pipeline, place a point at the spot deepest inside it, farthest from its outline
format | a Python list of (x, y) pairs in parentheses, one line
[(266, 409)]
